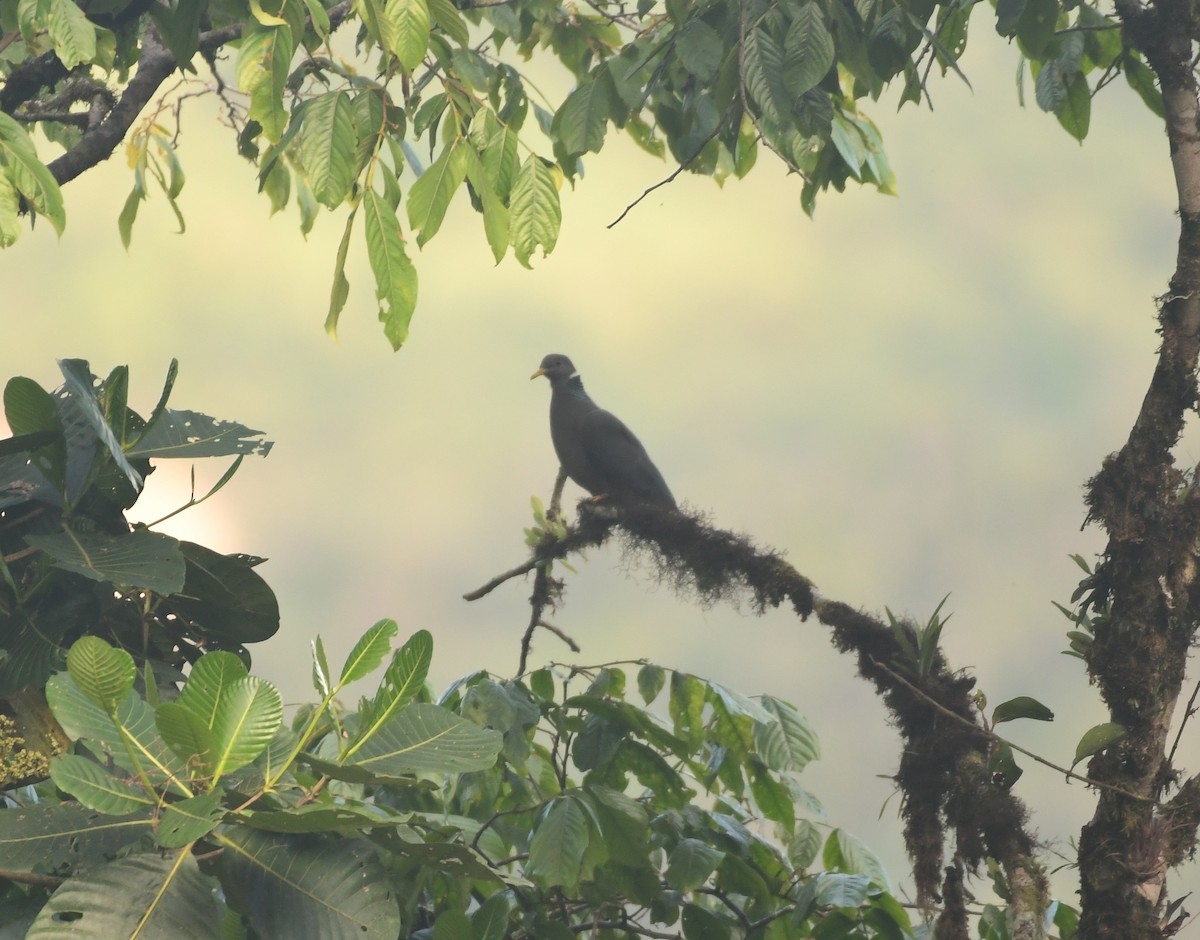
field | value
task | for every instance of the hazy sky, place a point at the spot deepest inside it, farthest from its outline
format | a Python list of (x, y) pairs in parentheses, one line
[(906, 395)]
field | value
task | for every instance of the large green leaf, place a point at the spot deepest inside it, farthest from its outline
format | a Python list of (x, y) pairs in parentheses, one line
[(369, 652), (787, 742), (340, 290), (71, 34), (690, 864), (225, 596), (249, 712), (191, 434), (95, 787), (764, 78), (305, 888), (130, 736), (140, 558), (28, 407), (700, 49), (262, 69), (581, 122), (402, 680), (427, 738), (185, 821), (85, 425), (534, 213), (430, 196), (187, 734), (807, 50), (104, 674), (495, 212), (846, 853), (395, 276), (142, 897), (65, 834), (558, 844), (208, 681), (28, 174), (325, 147), (406, 30)]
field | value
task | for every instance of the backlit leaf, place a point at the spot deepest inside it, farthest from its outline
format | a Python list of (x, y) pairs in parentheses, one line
[(395, 276), (534, 213)]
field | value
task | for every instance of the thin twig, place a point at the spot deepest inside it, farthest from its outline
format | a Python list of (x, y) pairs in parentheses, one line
[(1187, 713), (37, 879), (524, 568)]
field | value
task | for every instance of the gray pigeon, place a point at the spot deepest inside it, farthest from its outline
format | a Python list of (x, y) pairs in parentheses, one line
[(594, 447)]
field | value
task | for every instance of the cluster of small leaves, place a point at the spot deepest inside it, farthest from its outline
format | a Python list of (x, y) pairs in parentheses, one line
[(348, 825), (170, 798), (70, 562), (439, 89), (1066, 44), (607, 819)]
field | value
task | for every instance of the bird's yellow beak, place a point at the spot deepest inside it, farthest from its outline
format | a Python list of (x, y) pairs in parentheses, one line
[(536, 374)]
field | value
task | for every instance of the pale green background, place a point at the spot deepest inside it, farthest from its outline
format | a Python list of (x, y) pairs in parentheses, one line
[(906, 395)]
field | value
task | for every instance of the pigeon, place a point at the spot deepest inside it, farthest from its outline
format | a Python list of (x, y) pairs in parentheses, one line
[(594, 447)]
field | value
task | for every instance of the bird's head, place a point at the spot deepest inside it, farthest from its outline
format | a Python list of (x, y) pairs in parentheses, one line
[(557, 368)]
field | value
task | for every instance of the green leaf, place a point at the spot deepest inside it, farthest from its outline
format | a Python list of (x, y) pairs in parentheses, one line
[(842, 890), (843, 852), (211, 676), (787, 742), (249, 712), (430, 195), (453, 924), (691, 863), (95, 787), (185, 821), (326, 818), (263, 63), (1076, 111), (325, 147), (395, 276), (65, 834), (580, 124), (104, 674), (370, 651), (187, 734), (129, 736), (807, 50), (495, 212), (445, 14), (650, 681), (28, 407), (28, 175), (71, 33), (534, 213), (407, 32), (700, 49), (764, 78), (1142, 80), (1097, 739), (699, 923), (849, 143), (426, 738), (85, 423), (191, 434), (178, 24), (307, 889), (10, 204), (140, 558), (490, 921), (402, 680), (1021, 707), (150, 897), (560, 839), (341, 286), (1050, 88), (224, 596)]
